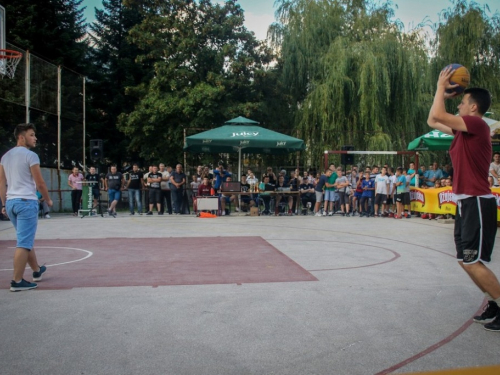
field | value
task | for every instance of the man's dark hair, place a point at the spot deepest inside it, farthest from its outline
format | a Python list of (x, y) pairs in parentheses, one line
[(481, 97), (135, 164), (399, 169), (21, 128), (496, 153), (113, 165)]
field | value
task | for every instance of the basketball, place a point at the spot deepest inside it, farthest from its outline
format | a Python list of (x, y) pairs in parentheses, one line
[(461, 77)]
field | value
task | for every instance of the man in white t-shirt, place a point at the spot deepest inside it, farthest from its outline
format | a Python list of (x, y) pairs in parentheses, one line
[(20, 177), (165, 188), (381, 190), (495, 169)]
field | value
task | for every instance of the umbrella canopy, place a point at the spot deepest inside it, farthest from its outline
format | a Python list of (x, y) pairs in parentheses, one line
[(243, 135), (436, 140)]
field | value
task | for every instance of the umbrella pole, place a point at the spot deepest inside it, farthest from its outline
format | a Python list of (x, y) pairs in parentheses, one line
[(239, 176)]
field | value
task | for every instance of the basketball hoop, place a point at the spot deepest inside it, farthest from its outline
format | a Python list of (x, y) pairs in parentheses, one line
[(8, 62)]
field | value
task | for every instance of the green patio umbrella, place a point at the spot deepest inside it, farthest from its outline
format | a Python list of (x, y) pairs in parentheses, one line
[(242, 135), (436, 140)]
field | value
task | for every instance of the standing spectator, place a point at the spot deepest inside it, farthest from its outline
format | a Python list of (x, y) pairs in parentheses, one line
[(294, 184), (381, 191), (20, 176), (342, 185), (199, 172), (433, 174), (93, 179), (413, 173), (406, 195), (391, 199), (75, 183), (154, 180), (165, 193), (146, 187), (113, 183), (177, 184), (194, 186), (330, 192), (400, 190), (368, 187), (352, 178), (318, 189), (43, 203), (495, 168), (135, 184)]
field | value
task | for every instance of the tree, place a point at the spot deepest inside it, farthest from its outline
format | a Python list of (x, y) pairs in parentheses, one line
[(113, 69), (467, 35), (53, 29), (352, 75), (205, 65)]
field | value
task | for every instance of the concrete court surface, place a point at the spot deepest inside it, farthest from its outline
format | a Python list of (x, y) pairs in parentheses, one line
[(242, 295)]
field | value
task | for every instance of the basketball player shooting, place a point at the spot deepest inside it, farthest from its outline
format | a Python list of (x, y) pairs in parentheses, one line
[(476, 218)]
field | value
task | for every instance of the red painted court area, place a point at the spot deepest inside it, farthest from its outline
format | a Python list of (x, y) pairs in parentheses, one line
[(114, 262)]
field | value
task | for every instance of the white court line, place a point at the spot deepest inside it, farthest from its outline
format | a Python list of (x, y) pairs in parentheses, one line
[(89, 254)]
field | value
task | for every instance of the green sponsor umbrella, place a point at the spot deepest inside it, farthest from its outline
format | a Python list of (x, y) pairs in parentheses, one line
[(436, 140), (242, 135)]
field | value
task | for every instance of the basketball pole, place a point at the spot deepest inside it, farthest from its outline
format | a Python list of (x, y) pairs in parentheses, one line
[(27, 88)]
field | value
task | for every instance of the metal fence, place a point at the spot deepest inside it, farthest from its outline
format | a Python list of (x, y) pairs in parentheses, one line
[(53, 98)]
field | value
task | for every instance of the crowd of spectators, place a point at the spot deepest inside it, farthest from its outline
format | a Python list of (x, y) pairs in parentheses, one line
[(366, 192)]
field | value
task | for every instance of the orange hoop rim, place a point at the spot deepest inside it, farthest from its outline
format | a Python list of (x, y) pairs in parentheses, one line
[(10, 54)]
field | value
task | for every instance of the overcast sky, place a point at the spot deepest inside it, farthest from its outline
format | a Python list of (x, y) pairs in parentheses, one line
[(259, 14)]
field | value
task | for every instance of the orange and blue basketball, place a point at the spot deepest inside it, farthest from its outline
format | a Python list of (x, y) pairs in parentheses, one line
[(461, 77)]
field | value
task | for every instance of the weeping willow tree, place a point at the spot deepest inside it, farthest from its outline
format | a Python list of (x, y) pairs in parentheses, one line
[(467, 34), (353, 76)]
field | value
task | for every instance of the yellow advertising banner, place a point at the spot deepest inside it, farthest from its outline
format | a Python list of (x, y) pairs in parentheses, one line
[(440, 201)]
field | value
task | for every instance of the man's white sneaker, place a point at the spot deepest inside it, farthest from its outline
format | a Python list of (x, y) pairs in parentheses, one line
[(47, 216), (324, 213), (237, 209), (318, 214), (223, 212)]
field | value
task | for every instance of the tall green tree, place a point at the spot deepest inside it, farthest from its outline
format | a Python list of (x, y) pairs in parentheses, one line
[(469, 34), (113, 69), (205, 65), (53, 29), (353, 76)]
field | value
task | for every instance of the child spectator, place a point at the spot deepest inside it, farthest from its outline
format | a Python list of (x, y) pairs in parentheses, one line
[(342, 185), (194, 186), (400, 190), (368, 187)]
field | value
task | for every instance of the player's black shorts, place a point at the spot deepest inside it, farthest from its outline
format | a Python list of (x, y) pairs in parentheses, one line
[(95, 193), (154, 196), (399, 197), (475, 229), (390, 201), (380, 199)]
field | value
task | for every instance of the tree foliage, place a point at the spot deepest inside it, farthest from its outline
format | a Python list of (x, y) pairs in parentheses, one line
[(205, 69), (113, 68), (354, 76)]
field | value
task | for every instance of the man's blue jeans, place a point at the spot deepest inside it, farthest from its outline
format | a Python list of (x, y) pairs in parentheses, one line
[(134, 194)]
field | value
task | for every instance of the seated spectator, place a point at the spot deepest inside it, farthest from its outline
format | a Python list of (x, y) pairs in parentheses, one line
[(247, 201), (307, 196), (272, 177), (283, 199), (228, 198), (491, 181), (45, 206), (204, 190), (265, 188)]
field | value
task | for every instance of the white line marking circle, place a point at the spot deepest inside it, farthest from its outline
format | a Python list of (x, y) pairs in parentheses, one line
[(89, 254)]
